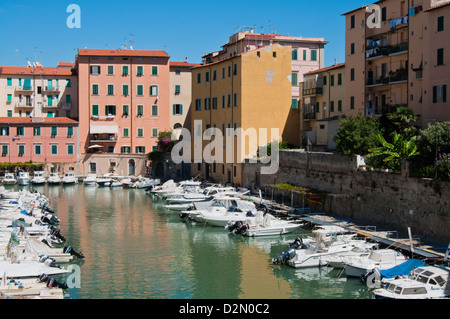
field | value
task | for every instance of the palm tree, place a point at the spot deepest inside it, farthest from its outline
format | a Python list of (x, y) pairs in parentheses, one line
[(392, 154)]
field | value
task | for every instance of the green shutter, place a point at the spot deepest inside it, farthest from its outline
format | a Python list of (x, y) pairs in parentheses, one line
[(94, 109), (140, 70), (125, 90), (9, 82), (54, 149), (174, 109), (50, 100), (9, 98), (95, 89), (154, 70), (70, 149), (181, 109), (294, 55), (70, 131), (125, 70), (54, 130), (294, 79), (140, 90), (313, 55), (27, 84)]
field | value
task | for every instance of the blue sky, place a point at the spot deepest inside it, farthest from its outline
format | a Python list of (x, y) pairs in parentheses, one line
[(37, 30)]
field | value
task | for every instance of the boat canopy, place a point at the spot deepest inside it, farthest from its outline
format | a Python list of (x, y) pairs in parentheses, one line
[(403, 269)]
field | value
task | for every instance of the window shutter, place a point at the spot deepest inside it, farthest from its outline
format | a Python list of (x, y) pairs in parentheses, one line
[(174, 109), (181, 109), (444, 93), (434, 94)]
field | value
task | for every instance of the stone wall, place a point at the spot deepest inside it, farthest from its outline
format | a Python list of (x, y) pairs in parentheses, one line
[(375, 197)]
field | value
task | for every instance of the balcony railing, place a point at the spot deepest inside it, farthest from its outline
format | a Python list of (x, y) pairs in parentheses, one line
[(24, 104), (387, 50), (103, 138), (399, 75), (51, 89), (24, 88), (313, 91)]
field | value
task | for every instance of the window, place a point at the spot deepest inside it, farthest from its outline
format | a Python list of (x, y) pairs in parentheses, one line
[(95, 69), (234, 99), (125, 132), (54, 131), (207, 103), (440, 57), (95, 110), (37, 131), (154, 70), (294, 79), (140, 70), (154, 110), (304, 55), (37, 149), (54, 149), (140, 149), (294, 55), (124, 70), (68, 98), (140, 90), (4, 131), (177, 89), (140, 110), (110, 110), (294, 104), (9, 113), (20, 130), (110, 70), (125, 90), (199, 78), (94, 89), (331, 106), (50, 100), (223, 101), (214, 75), (177, 109), (8, 81), (9, 98), (352, 102), (4, 150), (154, 90), (198, 104), (332, 80), (383, 14), (125, 110), (352, 74), (154, 132), (223, 73), (214, 103), (235, 69), (140, 132), (68, 83), (324, 80), (69, 131), (352, 48), (229, 100), (69, 149), (352, 22), (440, 24), (110, 89), (440, 93), (340, 106), (339, 79), (125, 149), (313, 55), (207, 76), (21, 149)]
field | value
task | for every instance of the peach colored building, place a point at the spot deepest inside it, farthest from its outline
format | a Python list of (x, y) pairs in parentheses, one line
[(37, 91), (401, 62), (41, 140), (124, 103)]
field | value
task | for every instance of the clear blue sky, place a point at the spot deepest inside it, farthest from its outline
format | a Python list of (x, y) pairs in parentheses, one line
[(37, 30)]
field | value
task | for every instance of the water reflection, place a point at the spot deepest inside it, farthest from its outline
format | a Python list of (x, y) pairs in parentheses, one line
[(135, 249)]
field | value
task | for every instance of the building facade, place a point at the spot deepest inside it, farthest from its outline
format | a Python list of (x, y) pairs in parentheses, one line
[(124, 102), (51, 141), (251, 91), (36, 91), (399, 62), (323, 105)]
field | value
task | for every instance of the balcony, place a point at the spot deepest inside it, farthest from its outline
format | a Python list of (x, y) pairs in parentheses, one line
[(24, 104), (103, 138), (313, 91), (385, 51), (394, 77), (309, 116), (24, 88), (51, 89)]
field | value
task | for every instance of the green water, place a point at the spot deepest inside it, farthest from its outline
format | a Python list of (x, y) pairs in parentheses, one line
[(134, 249)]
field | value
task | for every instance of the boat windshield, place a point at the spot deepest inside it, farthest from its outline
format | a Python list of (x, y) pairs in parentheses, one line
[(415, 291)]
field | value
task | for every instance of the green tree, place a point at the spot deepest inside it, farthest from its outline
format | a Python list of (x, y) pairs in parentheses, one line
[(400, 121), (356, 135), (433, 141), (392, 154)]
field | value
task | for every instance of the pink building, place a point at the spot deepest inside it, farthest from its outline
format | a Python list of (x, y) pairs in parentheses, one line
[(41, 140), (123, 105)]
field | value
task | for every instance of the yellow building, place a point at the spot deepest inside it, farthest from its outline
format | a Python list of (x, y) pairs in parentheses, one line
[(323, 104), (251, 91)]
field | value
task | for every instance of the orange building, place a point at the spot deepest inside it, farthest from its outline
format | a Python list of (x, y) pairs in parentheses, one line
[(123, 105)]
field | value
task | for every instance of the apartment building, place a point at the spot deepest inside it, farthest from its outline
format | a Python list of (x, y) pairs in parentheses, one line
[(124, 102), (399, 62), (41, 140), (180, 94), (307, 54), (37, 91), (251, 90), (323, 104)]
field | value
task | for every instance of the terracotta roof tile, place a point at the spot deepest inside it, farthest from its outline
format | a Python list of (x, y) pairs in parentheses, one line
[(183, 64), (23, 70), (53, 120), (120, 52), (328, 68)]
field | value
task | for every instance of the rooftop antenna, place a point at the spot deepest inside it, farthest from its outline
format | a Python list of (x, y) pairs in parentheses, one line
[(131, 42)]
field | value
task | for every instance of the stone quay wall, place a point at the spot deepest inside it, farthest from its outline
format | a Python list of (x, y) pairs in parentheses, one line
[(373, 196)]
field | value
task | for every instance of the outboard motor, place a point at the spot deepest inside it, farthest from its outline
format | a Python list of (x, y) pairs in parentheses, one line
[(49, 262), (47, 209), (46, 242), (372, 279), (55, 232), (51, 282), (289, 253), (233, 226), (242, 230), (70, 250)]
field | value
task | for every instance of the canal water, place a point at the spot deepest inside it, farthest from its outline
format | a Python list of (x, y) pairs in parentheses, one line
[(135, 249)]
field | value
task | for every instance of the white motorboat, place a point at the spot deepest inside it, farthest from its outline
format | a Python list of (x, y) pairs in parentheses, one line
[(357, 266), (69, 178), (116, 183), (9, 179), (38, 178), (127, 182), (28, 269), (264, 225), (54, 178), (24, 178), (146, 183), (425, 282), (104, 180), (90, 179), (337, 260)]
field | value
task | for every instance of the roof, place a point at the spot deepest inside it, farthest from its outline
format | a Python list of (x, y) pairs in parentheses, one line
[(120, 52), (328, 68), (37, 120), (39, 70), (439, 6), (183, 64), (66, 65)]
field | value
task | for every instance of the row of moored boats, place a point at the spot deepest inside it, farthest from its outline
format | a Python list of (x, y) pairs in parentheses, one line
[(109, 180), (387, 272), (34, 255)]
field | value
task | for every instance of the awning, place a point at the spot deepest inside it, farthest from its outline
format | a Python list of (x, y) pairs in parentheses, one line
[(104, 129), (95, 146)]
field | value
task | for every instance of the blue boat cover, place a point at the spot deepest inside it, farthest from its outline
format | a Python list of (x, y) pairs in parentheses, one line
[(403, 269)]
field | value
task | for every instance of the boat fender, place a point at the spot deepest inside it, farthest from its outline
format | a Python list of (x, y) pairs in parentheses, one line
[(372, 279)]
